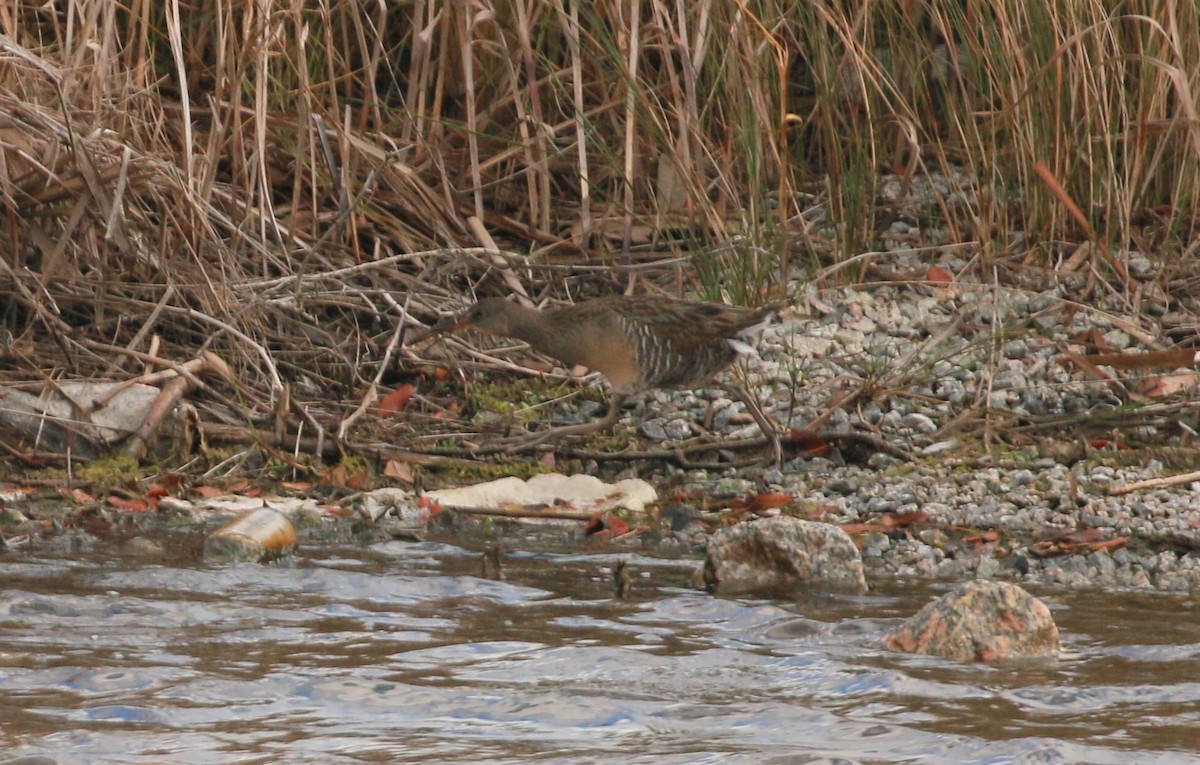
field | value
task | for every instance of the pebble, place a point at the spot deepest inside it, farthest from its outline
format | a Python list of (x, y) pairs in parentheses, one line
[(678, 429), (653, 431), (919, 422), (1021, 477), (1140, 266)]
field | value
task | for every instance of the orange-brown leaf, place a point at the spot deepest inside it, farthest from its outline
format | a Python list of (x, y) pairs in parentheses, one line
[(133, 505), (154, 493), (768, 500), (425, 503), (397, 399), (607, 523), (982, 538), (808, 442), (891, 521), (617, 526), (81, 496), (938, 275)]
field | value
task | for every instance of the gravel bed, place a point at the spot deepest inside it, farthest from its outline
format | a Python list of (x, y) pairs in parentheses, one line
[(928, 354)]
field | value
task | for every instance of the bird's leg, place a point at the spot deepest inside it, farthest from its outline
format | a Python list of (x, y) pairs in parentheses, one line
[(615, 400), (768, 428)]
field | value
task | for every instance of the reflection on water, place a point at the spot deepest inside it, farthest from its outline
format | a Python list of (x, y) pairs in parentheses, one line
[(398, 653)]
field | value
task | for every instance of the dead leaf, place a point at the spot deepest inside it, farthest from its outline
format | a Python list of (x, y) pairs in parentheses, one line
[(426, 503), (398, 399), (616, 526), (938, 275), (338, 475), (606, 522), (1161, 386), (892, 521), (81, 496), (757, 502), (1083, 540), (981, 539), (1082, 536), (398, 470), (808, 442), (155, 493), (133, 505)]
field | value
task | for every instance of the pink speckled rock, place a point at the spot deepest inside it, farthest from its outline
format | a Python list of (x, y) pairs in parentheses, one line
[(979, 621)]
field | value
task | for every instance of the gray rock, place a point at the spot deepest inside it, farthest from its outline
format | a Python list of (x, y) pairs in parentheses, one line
[(1016, 348), (1117, 340), (871, 413), (653, 430), (678, 429), (876, 543), (876, 505), (1103, 568), (782, 553), (1140, 266), (950, 390), (988, 568), (146, 548), (919, 422), (1021, 477), (844, 486), (939, 447)]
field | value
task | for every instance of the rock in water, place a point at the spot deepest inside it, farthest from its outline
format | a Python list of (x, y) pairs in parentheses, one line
[(782, 553), (979, 621), (259, 536)]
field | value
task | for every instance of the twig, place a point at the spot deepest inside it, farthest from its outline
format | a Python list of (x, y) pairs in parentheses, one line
[(1154, 483), (260, 351), (340, 274), (171, 394), (514, 512), (372, 395)]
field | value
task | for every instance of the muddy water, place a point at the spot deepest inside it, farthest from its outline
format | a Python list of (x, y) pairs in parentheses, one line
[(399, 653)]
